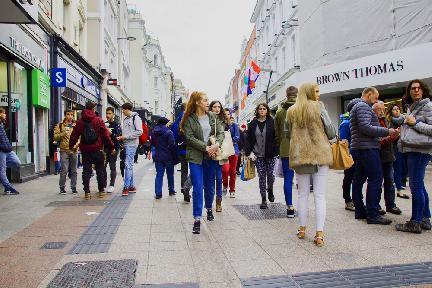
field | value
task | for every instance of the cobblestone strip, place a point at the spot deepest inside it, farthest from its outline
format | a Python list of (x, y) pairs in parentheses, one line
[(99, 235), (386, 276)]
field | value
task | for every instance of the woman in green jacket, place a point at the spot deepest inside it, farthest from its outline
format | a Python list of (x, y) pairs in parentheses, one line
[(199, 127)]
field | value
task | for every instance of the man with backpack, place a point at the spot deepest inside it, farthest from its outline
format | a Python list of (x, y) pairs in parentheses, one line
[(68, 157), (132, 130), (111, 159), (94, 137)]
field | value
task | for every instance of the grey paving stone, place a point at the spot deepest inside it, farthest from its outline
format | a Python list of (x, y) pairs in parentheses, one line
[(253, 212), (54, 245)]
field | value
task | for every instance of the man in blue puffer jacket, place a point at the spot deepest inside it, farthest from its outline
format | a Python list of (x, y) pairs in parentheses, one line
[(345, 134), (365, 135)]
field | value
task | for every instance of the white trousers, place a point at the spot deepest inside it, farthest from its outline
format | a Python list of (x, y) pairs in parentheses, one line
[(319, 183)]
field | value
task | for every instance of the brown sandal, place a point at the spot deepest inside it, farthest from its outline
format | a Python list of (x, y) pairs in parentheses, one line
[(319, 239), (301, 232)]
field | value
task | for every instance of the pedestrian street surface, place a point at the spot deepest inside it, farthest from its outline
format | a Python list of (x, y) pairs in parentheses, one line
[(142, 242)]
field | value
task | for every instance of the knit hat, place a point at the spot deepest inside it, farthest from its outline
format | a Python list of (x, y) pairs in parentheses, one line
[(162, 121)]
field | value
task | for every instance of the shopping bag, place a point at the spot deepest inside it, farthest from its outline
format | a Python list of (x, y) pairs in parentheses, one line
[(249, 170), (279, 169), (342, 158)]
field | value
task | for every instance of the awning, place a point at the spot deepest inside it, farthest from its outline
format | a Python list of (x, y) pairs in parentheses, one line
[(19, 11)]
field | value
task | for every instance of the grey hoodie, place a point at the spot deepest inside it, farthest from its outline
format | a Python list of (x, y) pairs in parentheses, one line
[(364, 126), (131, 132)]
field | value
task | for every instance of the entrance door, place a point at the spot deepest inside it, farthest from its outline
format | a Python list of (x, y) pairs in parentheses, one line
[(40, 130)]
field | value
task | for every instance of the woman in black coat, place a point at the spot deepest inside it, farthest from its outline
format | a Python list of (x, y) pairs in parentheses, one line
[(262, 148)]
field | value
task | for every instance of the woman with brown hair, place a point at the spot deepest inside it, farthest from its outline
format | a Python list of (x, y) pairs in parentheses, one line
[(262, 148), (418, 155), (310, 154), (198, 126)]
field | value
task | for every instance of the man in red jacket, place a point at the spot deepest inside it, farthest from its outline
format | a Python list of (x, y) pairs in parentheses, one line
[(94, 136)]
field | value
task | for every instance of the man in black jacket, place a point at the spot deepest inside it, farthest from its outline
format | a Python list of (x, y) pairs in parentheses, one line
[(8, 158), (114, 129), (365, 135)]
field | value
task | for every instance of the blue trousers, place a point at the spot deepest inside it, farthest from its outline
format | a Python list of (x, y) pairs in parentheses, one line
[(400, 169), (9, 159), (288, 181), (218, 171), (368, 166), (389, 188), (417, 163), (203, 179), (161, 166), (129, 161)]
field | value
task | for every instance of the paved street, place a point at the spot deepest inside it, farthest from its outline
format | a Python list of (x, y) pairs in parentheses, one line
[(155, 236)]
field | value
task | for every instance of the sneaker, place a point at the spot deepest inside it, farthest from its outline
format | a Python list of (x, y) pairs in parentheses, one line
[(263, 205), (395, 210), (196, 227), (271, 196), (410, 226), (172, 193), (426, 224), (218, 204), (349, 206), (158, 197), (210, 216), (290, 213), (102, 194), (110, 189), (132, 189), (11, 191), (379, 221), (74, 191), (186, 197), (232, 194), (62, 191), (87, 196), (125, 192), (225, 191)]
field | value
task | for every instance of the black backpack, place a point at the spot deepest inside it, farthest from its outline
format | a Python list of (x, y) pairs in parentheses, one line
[(89, 135)]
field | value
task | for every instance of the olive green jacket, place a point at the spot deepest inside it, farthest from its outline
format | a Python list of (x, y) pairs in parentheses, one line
[(195, 145), (282, 129)]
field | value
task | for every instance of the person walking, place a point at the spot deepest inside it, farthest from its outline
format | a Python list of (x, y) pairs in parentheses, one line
[(115, 131), (93, 136), (262, 148), (345, 134), (418, 157), (229, 169), (217, 109), (132, 130), (181, 153), (395, 120), (200, 127), (162, 138), (241, 146), (68, 157), (8, 158), (283, 140), (310, 154), (365, 134), (387, 159)]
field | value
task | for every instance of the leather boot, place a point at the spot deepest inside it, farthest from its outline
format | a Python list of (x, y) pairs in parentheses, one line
[(218, 204)]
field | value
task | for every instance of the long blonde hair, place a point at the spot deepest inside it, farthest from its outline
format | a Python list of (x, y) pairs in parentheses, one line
[(191, 107), (306, 106)]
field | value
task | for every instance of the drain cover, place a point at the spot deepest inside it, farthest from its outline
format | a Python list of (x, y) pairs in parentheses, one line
[(253, 212), (183, 285), (54, 245), (113, 274)]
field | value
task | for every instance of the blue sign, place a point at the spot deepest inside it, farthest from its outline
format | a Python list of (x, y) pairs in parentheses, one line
[(58, 77)]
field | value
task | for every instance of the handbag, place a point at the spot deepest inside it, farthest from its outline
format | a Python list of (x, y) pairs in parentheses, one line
[(226, 149), (342, 158), (411, 138), (279, 169), (248, 170)]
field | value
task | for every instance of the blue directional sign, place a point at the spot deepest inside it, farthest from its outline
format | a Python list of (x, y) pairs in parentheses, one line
[(58, 77)]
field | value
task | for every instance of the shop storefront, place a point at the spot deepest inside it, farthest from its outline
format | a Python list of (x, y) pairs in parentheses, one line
[(24, 89), (389, 72)]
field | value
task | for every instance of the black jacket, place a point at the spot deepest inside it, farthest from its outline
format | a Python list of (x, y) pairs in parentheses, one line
[(271, 146)]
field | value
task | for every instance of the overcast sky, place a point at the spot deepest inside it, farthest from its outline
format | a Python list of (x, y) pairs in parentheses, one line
[(200, 39)]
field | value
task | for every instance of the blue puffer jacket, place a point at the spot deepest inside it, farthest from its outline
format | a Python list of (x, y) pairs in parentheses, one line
[(163, 140), (235, 135), (365, 127), (5, 145), (344, 129)]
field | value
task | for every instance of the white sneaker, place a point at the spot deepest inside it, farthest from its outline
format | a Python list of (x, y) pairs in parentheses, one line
[(110, 189)]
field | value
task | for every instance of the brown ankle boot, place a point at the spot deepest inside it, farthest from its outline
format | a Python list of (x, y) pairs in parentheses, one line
[(319, 238), (301, 232), (218, 204)]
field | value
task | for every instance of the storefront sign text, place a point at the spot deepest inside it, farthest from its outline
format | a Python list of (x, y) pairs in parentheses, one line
[(25, 52), (361, 72), (40, 89)]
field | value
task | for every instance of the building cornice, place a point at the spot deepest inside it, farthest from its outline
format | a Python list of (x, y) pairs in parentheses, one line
[(256, 11)]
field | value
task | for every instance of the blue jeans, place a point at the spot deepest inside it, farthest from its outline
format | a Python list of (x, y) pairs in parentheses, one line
[(417, 163), (288, 181), (161, 166), (7, 160), (389, 188), (129, 161), (400, 170), (368, 166), (203, 179), (218, 180)]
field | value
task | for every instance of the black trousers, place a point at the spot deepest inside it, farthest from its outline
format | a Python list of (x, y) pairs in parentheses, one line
[(184, 170), (93, 158), (347, 182), (111, 160)]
